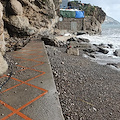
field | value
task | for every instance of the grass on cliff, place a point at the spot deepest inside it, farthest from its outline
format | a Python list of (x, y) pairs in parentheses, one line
[(89, 9)]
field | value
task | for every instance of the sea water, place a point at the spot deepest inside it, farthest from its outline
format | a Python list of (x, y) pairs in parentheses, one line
[(110, 35)]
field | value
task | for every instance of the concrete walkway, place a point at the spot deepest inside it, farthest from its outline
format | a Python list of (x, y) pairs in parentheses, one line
[(30, 94)]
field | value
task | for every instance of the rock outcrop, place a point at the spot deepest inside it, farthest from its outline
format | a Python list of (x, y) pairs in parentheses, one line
[(3, 63), (28, 18), (94, 17)]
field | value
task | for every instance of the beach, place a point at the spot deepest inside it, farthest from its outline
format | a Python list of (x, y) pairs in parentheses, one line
[(86, 89)]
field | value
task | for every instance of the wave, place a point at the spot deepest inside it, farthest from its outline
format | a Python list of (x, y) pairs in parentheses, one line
[(110, 35)]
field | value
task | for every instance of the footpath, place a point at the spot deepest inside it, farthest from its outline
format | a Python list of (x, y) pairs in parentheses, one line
[(30, 93)]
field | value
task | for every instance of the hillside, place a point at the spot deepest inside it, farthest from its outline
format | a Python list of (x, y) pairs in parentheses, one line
[(110, 20)]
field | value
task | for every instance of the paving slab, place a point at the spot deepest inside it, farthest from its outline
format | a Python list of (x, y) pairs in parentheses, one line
[(30, 93)]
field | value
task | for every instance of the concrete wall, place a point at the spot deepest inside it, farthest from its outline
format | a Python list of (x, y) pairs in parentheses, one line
[(72, 24), (88, 24)]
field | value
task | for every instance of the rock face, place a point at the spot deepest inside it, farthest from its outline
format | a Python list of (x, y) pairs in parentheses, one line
[(3, 63), (28, 18), (92, 25)]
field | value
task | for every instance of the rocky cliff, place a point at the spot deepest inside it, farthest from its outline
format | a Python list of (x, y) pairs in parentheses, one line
[(23, 18), (94, 17)]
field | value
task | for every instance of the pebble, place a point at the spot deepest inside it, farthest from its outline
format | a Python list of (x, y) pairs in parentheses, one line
[(94, 109), (2, 114)]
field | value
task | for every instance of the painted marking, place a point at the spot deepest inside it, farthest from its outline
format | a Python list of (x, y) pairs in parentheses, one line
[(36, 51)]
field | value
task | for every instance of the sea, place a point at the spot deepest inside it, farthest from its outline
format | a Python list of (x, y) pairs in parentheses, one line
[(110, 35)]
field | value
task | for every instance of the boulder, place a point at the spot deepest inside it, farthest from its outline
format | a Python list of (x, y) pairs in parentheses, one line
[(81, 33), (19, 21), (3, 65), (15, 7), (20, 24), (102, 50), (73, 51), (117, 52), (110, 45), (50, 40)]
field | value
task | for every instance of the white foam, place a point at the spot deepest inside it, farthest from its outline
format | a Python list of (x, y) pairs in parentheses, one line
[(109, 36)]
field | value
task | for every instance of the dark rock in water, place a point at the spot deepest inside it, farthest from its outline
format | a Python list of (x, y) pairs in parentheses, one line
[(110, 45), (102, 50), (83, 40), (81, 33), (93, 48), (72, 39), (76, 42), (103, 45), (114, 64), (91, 55), (117, 52)]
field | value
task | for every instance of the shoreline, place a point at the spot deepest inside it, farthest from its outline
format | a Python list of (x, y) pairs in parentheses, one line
[(100, 52)]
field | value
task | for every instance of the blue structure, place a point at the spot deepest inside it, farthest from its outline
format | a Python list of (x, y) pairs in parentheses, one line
[(79, 14)]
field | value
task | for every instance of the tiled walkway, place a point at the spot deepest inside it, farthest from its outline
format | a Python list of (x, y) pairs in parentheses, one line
[(20, 97)]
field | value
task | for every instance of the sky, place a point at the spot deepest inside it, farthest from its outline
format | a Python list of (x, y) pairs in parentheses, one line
[(111, 7)]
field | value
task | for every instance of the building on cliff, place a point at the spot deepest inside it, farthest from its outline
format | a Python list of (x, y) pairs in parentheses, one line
[(89, 19)]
